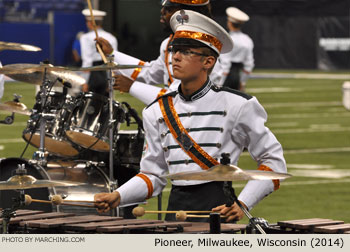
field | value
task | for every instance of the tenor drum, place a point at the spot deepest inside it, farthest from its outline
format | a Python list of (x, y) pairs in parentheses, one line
[(90, 174), (89, 122), (55, 139)]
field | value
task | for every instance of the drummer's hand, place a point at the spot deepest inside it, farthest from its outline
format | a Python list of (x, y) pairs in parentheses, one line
[(105, 45), (122, 83), (106, 201), (233, 213)]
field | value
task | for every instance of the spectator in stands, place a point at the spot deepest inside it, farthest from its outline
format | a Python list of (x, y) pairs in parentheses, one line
[(97, 80), (239, 63), (76, 50)]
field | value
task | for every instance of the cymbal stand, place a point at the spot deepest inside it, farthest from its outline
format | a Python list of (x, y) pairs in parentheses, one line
[(229, 191), (114, 182), (11, 118), (19, 202), (46, 85)]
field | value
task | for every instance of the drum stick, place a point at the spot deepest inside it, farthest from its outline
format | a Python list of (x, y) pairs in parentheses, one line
[(94, 26), (28, 200)]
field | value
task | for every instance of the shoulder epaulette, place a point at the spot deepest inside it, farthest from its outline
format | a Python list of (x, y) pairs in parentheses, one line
[(233, 91), (173, 94)]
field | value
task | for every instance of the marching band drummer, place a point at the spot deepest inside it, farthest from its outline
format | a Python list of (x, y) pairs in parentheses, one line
[(97, 80), (139, 83), (189, 129)]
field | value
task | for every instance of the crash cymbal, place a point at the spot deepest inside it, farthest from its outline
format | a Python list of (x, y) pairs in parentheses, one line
[(19, 182), (30, 68), (15, 107), (227, 173), (18, 47), (33, 74), (108, 66)]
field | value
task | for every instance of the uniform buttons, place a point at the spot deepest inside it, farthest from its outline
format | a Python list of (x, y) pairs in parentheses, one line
[(218, 145), (163, 134), (168, 162), (187, 161), (221, 130), (161, 119), (165, 149), (189, 113), (188, 129), (225, 113)]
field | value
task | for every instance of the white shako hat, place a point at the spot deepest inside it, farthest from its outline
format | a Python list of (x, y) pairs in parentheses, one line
[(236, 15), (98, 15), (184, 2), (190, 26)]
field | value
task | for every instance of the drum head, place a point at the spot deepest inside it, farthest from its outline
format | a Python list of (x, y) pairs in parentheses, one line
[(86, 141), (8, 168), (52, 145)]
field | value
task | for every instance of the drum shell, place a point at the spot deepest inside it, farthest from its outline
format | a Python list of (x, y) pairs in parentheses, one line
[(89, 122), (55, 140), (93, 178)]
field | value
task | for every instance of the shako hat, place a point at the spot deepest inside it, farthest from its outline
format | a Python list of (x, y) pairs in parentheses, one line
[(189, 25), (236, 15)]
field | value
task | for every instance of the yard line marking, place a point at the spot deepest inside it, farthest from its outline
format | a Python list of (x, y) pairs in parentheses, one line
[(309, 166), (300, 76), (302, 104), (318, 150), (307, 151), (332, 173), (14, 140), (311, 130), (283, 124), (274, 90), (309, 115)]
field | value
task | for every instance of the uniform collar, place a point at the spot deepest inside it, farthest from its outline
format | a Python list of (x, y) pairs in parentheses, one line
[(198, 94)]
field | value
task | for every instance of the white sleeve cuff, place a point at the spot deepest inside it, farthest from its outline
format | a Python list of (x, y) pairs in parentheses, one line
[(255, 191), (133, 191), (144, 92)]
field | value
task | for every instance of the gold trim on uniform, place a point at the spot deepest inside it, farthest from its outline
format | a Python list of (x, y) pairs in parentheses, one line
[(161, 92), (276, 182), (194, 2), (148, 183), (183, 130), (199, 36), (137, 70)]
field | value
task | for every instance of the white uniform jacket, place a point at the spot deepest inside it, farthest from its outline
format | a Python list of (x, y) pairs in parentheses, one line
[(220, 121), (89, 53), (242, 52), (156, 72)]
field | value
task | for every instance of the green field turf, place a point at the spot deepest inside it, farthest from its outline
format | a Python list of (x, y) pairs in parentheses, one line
[(308, 119)]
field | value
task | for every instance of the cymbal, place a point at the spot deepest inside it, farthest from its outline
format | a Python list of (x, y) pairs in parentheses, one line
[(108, 66), (15, 107), (18, 47), (18, 182), (34, 74), (227, 173)]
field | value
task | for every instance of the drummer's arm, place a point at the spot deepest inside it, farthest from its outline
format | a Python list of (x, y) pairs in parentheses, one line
[(148, 182), (264, 149)]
